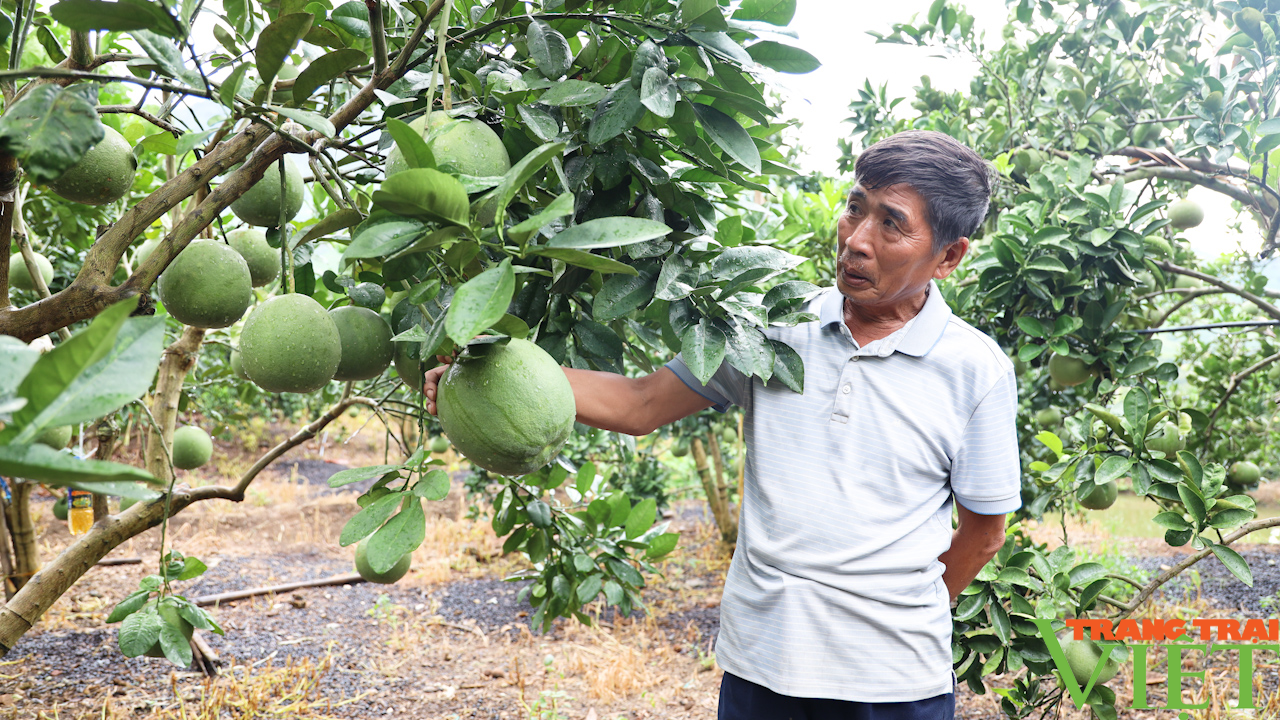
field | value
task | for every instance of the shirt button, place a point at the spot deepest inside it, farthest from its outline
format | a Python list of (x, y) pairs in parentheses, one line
[(854, 358), (846, 389)]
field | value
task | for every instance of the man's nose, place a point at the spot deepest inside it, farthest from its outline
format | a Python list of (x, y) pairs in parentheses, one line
[(858, 239)]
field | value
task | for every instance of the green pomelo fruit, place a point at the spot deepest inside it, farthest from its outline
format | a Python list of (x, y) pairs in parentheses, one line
[(1167, 439), (1083, 657), (144, 251), (368, 295), (237, 365), (1185, 214), (207, 286), (366, 343), (192, 447), (409, 369), (60, 508), (1144, 133), (290, 344), (1068, 371), (729, 437), (20, 278), (170, 616), (1049, 417), (1101, 497), (260, 205), (55, 437), (1245, 473), (439, 444), (1213, 101), (508, 408), (397, 571), (468, 147), (103, 175), (680, 450), (263, 260), (1186, 282)]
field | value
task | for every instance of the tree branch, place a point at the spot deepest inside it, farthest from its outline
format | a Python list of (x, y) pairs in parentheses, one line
[(378, 29), (1234, 385), (133, 110), (1263, 305), (1168, 173), (67, 74)]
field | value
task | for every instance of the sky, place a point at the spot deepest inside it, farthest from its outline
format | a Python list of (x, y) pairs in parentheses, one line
[(835, 31)]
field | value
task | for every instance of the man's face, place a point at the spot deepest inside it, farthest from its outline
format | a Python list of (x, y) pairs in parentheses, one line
[(886, 247)]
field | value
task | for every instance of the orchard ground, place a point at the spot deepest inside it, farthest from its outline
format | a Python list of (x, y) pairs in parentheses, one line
[(451, 640)]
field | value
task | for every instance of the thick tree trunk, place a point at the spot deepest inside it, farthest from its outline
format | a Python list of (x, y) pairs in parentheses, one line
[(179, 358), (727, 524), (26, 555), (6, 554)]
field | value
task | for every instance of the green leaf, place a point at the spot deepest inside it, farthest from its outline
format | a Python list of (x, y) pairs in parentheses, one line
[(1234, 562), (1171, 521), (59, 368), (659, 92), (774, 12), (118, 379), (1191, 502), (16, 360), (493, 206), (480, 302), (558, 208), (382, 236), (310, 120), (582, 258), (641, 518), (549, 50), (332, 223), (166, 54), (369, 519), (6, 27), (788, 366), (427, 194), (1048, 263), (49, 130), (609, 232), (126, 15), (277, 40), (401, 535), (353, 17), (1112, 469), (783, 58), (227, 93), (355, 475), (662, 545), (702, 348), (725, 132), (1230, 517), (621, 295), (140, 631), (51, 46), (128, 606), (539, 514), (589, 588), (618, 112), (750, 351), (1085, 573), (324, 69), (1032, 326), (574, 93), (176, 647), (412, 147)]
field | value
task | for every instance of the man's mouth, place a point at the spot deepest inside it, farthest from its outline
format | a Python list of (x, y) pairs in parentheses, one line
[(854, 278)]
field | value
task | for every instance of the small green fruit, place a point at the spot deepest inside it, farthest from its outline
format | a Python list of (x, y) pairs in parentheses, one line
[(263, 260), (1101, 497), (1083, 657), (392, 574), (20, 278), (207, 286), (1185, 214), (409, 369), (1245, 473), (1068, 371), (1049, 417), (144, 251), (1213, 102), (192, 447), (103, 175), (55, 437), (439, 444), (1166, 439), (260, 204), (367, 349), (60, 509), (290, 344), (237, 365), (681, 449)]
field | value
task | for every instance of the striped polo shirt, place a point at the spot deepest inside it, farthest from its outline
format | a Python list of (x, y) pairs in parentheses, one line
[(835, 590)]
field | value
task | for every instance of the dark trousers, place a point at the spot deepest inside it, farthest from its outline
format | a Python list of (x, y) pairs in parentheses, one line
[(744, 700)]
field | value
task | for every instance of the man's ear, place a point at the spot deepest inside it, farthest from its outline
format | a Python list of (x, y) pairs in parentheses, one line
[(951, 257)]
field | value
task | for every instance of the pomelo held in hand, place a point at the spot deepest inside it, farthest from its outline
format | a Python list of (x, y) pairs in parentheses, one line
[(103, 175), (290, 344), (366, 343), (506, 406), (394, 573), (260, 205), (468, 147), (20, 278), (207, 286), (192, 447), (263, 260)]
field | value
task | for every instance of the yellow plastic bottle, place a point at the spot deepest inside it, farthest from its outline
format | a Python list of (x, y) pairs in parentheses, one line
[(79, 511)]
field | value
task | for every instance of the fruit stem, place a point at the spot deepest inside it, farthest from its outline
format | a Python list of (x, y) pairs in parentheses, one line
[(286, 253), (442, 39), (378, 28)]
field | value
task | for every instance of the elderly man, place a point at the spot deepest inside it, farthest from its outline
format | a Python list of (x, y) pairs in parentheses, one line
[(836, 603)]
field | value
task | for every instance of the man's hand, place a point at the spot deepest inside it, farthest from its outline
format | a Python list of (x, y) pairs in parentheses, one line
[(431, 381), (975, 541)]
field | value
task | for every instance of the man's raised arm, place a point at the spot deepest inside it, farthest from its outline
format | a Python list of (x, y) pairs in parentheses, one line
[(635, 406)]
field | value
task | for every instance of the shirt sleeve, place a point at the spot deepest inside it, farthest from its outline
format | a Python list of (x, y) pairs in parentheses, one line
[(728, 386), (986, 474)]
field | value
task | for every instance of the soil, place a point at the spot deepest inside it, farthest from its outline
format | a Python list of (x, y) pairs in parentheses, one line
[(450, 640)]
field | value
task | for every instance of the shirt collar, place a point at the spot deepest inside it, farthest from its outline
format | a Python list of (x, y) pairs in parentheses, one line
[(925, 329)]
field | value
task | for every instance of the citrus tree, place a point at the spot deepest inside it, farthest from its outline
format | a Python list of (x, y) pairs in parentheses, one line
[(323, 190), (1099, 118)]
